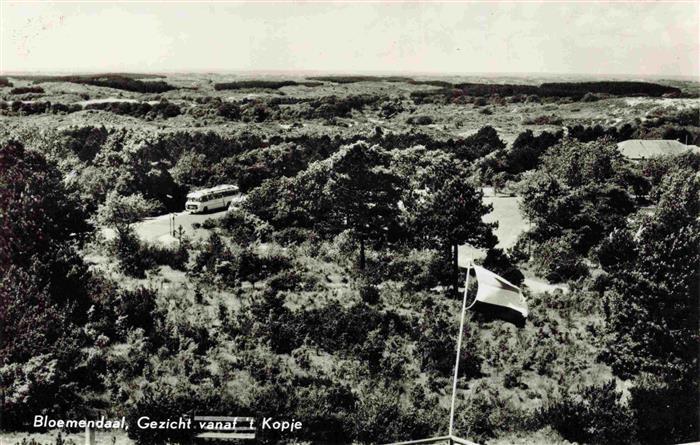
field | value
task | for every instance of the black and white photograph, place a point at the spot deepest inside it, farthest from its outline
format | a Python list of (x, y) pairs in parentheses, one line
[(349, 222)]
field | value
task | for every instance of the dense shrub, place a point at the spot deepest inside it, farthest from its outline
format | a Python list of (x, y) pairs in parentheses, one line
[(381, 417), (136, 309), (355, 79), (270, 84), (45, 291), (562, 89), (30, 108), (526, 150), (437, 344), (595, 415), (175, 257), (133, 258), (229, 110), (579, 191), (664, 411), (474, 417), (163, 109), (26, 90), (120, 83), (369, 292), (557, 260), (418, 269)]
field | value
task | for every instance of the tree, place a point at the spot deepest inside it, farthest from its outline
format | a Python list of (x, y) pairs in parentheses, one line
[(579, 190), (119, 211), (454, 216), (442, 209), (364, 193), (652, 314), (43, 287), (526, 150), (479, 144), (38, 213)]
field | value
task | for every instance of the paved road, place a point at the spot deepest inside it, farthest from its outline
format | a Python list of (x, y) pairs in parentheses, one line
[(158, 229)]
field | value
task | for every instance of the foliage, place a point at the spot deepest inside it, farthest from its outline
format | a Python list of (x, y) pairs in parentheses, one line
[(503, 264), (25, 90), (119, 211), (131, 255), (44, 290), (117, 81), (480, 144), (661, 283), (579, 193), (271, 84), (244, 228), (437, 344), (163, 109), (595, 416), (39, 213), (557, 260), (553, 89), (664, 411), (526, 150), (652, 312)]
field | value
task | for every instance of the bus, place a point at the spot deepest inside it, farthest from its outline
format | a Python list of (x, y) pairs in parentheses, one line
[(214, 198)]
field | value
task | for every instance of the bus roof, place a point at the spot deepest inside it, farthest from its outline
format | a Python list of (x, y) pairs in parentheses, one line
[(218, 188)]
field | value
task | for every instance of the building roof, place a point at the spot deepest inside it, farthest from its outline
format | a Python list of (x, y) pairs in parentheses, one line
[(218, 188), (649, 148)]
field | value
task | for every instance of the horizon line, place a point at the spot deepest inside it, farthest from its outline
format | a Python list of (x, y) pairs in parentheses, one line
[(268, 72)]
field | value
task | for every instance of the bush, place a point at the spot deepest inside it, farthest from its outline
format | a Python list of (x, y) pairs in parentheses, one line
[(244, 227), (292, 235), (485, 415), (594, 416), (136, 309), (416, 269), (617, 251), (133, 258), (543, 120), (665, 412), (436, 346), (369, 292), (175, 257), (557, 260), (27, 90), (230, 111), (121, 83), (286, 280), (268, 84)]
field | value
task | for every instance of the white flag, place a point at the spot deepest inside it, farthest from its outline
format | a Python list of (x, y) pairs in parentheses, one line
[(498, 292)]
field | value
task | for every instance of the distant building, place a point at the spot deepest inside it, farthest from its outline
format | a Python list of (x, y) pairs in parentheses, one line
[(638, 149)]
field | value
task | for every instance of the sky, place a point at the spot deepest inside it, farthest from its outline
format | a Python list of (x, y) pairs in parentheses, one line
[(601, 38)]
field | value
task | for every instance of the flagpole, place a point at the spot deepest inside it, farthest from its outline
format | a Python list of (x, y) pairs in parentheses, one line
[(459, 348)]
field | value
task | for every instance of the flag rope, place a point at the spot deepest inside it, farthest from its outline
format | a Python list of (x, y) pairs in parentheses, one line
[(459, 348)]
